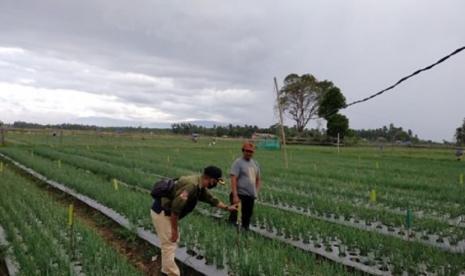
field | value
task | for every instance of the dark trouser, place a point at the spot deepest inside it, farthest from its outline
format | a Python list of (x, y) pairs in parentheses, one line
[(247, 203)]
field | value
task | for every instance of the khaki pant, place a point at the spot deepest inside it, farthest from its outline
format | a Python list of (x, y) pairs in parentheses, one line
[(162, 225)]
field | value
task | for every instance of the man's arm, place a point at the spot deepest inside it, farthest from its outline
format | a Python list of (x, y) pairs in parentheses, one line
[(223, 206), (234, 189), (235, 171), (258, 184), (177, 205), (207, 197), (174, 227)]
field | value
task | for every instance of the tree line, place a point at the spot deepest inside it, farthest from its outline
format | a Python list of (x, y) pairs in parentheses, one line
[(27, 125), (389, 134)]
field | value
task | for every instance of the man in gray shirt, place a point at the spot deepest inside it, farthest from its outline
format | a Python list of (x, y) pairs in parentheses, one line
[(245, 184)]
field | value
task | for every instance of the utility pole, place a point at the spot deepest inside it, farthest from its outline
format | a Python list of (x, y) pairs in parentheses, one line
[(283, 134)]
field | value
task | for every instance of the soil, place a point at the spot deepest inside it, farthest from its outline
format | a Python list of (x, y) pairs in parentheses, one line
[(138, 253)]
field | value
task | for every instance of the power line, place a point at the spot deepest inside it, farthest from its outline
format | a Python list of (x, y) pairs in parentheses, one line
[(441, 60), (407, 77)]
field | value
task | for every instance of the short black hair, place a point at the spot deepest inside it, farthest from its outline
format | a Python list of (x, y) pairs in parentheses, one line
[(213, 172)]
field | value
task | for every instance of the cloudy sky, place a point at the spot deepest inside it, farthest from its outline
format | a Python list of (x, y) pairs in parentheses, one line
[(146, 62)]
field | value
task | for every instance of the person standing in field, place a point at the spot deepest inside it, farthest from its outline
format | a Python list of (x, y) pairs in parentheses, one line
[(245, 184), (459, 153), (173, 200)]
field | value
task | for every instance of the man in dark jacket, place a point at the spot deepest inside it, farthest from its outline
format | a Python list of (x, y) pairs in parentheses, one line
[(166, 211)]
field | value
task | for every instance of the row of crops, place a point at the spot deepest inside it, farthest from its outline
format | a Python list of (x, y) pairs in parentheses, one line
[(428, 228), (311, 206), (209, 239), (43, 241)]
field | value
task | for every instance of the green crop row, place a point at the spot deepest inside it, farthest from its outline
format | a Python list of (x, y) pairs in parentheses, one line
[(218, 243), (396, 250), (141, 173), (316, 177), (42, 241)]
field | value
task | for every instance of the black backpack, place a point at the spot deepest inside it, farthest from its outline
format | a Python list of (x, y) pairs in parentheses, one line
[(163, 188)]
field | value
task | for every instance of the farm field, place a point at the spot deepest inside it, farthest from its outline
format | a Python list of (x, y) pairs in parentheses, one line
[(43, 240), (396, 211)]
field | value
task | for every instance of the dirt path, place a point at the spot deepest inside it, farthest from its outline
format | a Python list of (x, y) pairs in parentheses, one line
[(137, 252)]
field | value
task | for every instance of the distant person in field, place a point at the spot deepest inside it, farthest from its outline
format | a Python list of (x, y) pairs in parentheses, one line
[(245, 184), (173, 200), (459, 153)]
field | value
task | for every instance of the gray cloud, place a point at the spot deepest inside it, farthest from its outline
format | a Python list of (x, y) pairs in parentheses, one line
[(213, 60)]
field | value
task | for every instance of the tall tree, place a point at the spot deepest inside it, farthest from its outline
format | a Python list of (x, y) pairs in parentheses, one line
[(331, 102), (300, 98), (337, 123), (460, 134)]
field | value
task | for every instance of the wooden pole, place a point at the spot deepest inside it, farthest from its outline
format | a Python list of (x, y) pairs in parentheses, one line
[(283, 134), (338, 142), (2, 135)]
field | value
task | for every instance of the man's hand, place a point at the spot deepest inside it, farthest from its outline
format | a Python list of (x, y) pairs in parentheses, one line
[(174, 235), (232, 208), (223, 206)]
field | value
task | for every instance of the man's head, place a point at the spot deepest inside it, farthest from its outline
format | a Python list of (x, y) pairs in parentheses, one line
[(211, 177), (248, 149)]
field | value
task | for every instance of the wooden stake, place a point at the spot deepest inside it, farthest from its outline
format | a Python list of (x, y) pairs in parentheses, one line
[(2, 135), (115, 184), (71, 230), (70, 215), (373, 196), (283, 134), (1, 167)]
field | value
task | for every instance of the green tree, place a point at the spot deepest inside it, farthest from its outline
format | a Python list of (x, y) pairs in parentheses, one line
[(337, 123), (460, 134), (300, 99), (331, 102)]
